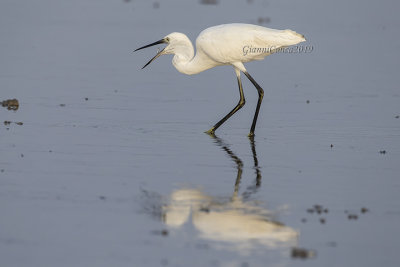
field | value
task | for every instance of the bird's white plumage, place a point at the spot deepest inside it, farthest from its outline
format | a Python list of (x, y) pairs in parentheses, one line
[(226, 43)]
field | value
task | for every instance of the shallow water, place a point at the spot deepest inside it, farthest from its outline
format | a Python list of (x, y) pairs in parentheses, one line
[(105, 164)]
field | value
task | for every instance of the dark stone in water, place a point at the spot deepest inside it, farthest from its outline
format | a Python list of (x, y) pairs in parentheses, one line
[(10, 104)]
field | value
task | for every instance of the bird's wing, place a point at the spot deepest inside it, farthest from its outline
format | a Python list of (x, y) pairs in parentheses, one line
[(243, 42)]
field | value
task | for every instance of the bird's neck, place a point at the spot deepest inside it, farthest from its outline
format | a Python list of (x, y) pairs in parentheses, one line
[(187, 63)]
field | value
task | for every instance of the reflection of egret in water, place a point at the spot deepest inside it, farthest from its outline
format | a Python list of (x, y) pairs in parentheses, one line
[(236, 223)]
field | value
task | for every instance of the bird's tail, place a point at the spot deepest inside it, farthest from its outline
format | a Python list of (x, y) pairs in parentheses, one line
[(293, 37)]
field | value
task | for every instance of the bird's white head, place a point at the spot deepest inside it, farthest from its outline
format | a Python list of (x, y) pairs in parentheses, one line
[(177, 43)]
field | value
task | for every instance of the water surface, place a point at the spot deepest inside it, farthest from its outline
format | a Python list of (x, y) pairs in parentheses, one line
[(105, 164)]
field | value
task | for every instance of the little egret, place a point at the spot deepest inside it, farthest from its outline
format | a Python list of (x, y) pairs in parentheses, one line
[(227, 44)]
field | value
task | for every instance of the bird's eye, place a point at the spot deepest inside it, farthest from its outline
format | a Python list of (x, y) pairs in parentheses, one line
[(167, 39)]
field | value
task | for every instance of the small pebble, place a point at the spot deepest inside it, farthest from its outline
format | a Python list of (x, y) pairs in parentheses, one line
[(352, 217), (318, 208), (302, 253), (364, 210), (164, 232)]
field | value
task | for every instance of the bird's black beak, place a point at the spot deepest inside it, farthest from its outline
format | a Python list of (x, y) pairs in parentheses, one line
[(162, 41)]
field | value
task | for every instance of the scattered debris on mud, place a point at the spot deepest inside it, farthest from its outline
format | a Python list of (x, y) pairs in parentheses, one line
[(15, 122), (319, 210)]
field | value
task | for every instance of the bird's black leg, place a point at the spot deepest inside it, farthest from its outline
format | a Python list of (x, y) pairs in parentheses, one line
[(241, 103), (260, 98)]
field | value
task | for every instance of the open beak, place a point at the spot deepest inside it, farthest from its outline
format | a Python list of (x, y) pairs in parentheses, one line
[(162, 41)]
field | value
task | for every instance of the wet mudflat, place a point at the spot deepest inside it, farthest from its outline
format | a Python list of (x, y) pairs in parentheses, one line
[(104, 164)]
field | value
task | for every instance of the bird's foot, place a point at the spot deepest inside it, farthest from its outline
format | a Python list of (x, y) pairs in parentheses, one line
[(211, 131), (251, 135)]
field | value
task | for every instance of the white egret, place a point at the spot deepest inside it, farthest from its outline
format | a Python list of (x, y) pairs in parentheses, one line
[(227, 44)]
